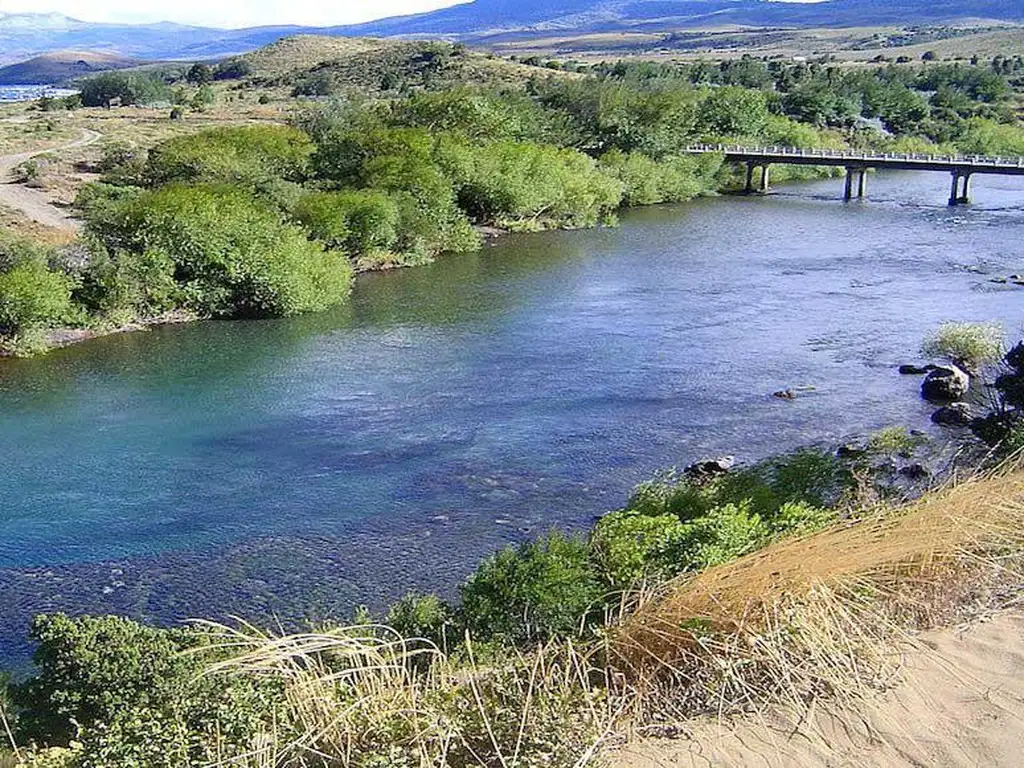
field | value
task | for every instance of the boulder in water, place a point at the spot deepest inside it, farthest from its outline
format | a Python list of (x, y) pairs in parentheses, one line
[(945, 384), (954, 415)]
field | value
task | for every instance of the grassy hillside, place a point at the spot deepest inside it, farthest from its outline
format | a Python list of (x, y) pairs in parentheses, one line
[(322, 66)]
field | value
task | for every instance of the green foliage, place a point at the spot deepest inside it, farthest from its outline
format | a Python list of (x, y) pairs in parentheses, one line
[(249, 155), (967, 344), (426, 617), (128, 89), (893, 441), (629, 546), (522, 185), (732, 112), (232, 254), (130, 695), (32, 296), (356, 221), (199, 74), (670, 180), (988, 137), (542, 589)]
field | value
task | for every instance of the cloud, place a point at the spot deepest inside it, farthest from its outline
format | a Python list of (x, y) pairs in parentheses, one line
[(228, 13)]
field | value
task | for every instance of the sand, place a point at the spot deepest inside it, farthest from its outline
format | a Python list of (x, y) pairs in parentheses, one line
[(959, 702)]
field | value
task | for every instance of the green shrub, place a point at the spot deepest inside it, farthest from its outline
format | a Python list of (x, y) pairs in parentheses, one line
[(522, 185), (130, 695), (629, 547), (970, 345), (232, 254), (247, 155), (32, 296), (813, 477), (542, 589), (139, 285), (426, 617), (723, 534), (672, 179), (893, 441), (358, 221), (128, 88)]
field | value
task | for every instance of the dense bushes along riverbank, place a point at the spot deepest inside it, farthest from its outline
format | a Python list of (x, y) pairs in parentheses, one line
[(273, 220)]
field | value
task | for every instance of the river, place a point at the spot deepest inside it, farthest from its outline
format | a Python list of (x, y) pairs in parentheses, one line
[(298, 467)]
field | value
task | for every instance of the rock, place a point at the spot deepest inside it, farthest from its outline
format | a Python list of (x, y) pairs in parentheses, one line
[(916, 370), (955, 415), (785, 394), (852, 450), (709, 468), (1015, 357), (915, 471), (945, 384)]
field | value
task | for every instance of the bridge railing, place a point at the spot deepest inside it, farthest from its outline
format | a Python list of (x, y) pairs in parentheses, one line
[(856, 155)]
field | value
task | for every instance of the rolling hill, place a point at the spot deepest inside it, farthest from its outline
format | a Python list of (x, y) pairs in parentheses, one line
[(62, 66), (26, 35)]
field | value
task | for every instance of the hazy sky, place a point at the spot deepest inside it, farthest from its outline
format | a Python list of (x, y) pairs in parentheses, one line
[(227, 13)]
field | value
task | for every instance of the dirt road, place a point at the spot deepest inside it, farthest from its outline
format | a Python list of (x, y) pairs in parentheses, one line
[(34, 203)]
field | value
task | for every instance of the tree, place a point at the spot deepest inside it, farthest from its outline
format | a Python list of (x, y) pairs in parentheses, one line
[(200, 74)]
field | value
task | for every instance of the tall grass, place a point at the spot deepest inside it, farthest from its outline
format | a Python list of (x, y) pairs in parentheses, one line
[(825, 614), (363, 696)]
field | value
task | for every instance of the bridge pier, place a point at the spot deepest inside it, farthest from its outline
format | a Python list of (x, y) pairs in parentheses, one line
[(861, 175), (764, 185), (956, 196)]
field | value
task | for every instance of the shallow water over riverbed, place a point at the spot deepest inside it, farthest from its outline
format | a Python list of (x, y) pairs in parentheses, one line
[(301, 466)]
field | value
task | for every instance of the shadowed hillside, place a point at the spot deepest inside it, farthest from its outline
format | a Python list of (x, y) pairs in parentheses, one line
[(54, 68)]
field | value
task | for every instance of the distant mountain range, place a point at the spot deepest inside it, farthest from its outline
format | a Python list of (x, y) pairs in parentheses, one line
[(26, 35)]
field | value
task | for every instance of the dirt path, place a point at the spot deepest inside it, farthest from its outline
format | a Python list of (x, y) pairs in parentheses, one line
[(961, 703), (34, 203)]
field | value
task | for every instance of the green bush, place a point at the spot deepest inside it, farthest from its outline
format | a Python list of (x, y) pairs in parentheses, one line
[(426, 617), (528, 186), (129, 286), (32, 296), (247, 155), (629, 547), (128, 88), (130, 695), (357, 221), (542, 589), (232, 254), (670, 180)]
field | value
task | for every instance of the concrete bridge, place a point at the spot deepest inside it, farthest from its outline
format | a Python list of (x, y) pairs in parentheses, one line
[(858, 163)]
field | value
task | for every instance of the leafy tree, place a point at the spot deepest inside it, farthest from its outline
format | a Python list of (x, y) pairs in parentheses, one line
[(127, 88), (199, 74), (732, 112)]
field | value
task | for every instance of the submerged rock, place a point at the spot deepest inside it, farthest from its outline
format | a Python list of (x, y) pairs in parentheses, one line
[(785, 394), (916, 370), (945, 384), (954, 415)]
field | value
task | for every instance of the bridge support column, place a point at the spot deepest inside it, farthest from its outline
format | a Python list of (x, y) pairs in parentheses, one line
[(862, 186), (765, 179), (848, 196), (861, 177), (958, 197), (750, 177)]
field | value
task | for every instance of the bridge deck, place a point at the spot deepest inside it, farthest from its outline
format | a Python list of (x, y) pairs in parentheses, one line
[(1010, 166)]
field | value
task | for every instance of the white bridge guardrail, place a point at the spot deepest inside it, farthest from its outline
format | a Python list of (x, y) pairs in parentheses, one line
[(859, 157)]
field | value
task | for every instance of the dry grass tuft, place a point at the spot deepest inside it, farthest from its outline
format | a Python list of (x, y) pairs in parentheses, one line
[(819, 614), (364, 696)]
